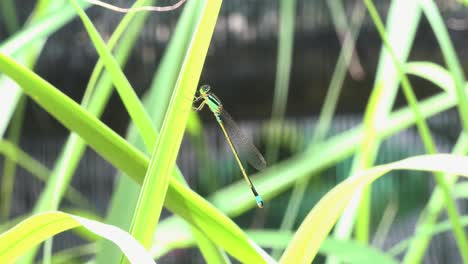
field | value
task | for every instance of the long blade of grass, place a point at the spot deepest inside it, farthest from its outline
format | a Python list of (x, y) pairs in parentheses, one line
[(344, 61), (17, 156), (418, 246), (74, 147), (234, 200), (121, 208), (331, 99), (37, 29), (348, 251), (156, 181), (121, 154), (416, 251), (323, 216), (123, 86), (401, 31), (433, 208), (73, 151), (99, 43), (432, 72), (364, 159), (436, 229), (287, 11), (423, 129), (278, 178), (9, 166), (38, 228), (444, 101), (450, 56)]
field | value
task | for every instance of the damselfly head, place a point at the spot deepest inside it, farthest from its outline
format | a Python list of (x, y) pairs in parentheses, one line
[(205, 89)]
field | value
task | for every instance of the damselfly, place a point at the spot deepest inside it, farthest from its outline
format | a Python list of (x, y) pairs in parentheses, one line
[(240, 144)]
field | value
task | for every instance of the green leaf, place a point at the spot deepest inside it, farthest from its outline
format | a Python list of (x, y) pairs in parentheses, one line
[(125, 157), (36, 30), (154, 188), (450, 57), (122, 206), (423, 129), (432, 72), (323, 216), (38, 228), (175, 235), (276, 179), (129, 98)]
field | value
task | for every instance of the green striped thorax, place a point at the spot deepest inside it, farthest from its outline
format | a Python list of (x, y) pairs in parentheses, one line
[(212, 100)]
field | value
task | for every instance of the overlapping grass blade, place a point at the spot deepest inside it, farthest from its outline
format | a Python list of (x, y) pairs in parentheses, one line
[(121, 154), (128, 96), (74, 147), (418, 247), (156, 181), (37, 29), (177, 236), (450, 56), (323, 216), (401, 32), (38, 228), (432, 72), (122, 207), (287, 11), (234, 200), (9, 165), (436, 229), (424, 132)]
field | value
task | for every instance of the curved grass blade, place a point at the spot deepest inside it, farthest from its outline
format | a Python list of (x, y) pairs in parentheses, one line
[(347, 251), (323, 216), (40, 28), (156, 181), (176, 235), (276, 179), (424, 132), (18, 45), (124, 199), (127, 94), (180, 199), (432, 72), (242, 143), (38, 228), (400, 32)]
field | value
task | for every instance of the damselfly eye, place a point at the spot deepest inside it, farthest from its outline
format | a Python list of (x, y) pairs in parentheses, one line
[(205, 89)]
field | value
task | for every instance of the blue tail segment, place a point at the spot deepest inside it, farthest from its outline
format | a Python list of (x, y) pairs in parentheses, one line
[(259, 201)]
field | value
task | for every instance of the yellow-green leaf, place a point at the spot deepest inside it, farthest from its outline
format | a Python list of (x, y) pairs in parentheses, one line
[(323, 216), (38, 228)]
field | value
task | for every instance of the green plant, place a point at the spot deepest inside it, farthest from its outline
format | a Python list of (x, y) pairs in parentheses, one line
[(147, 157)]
